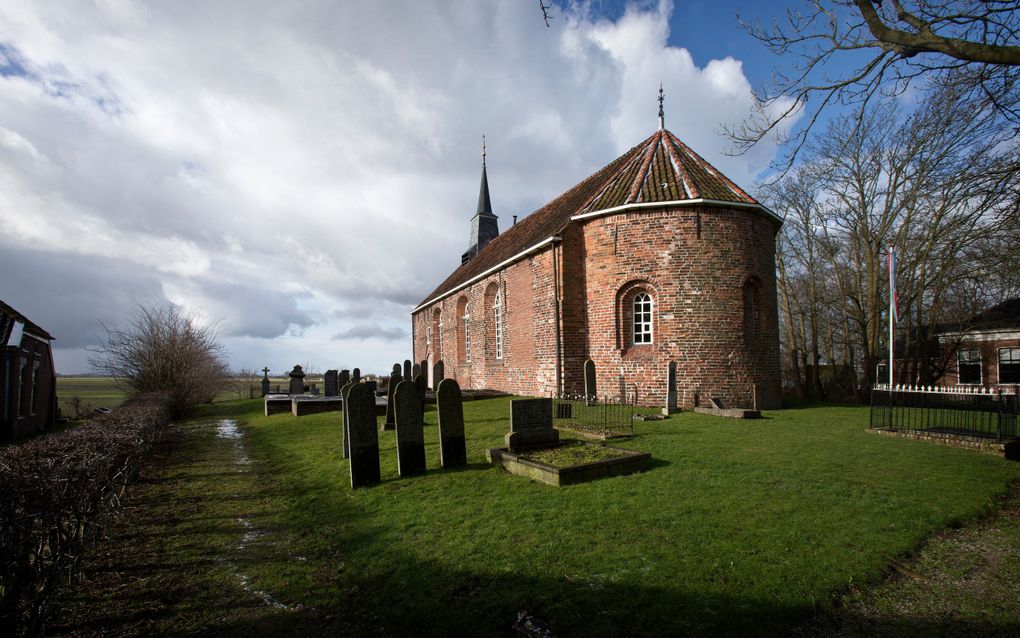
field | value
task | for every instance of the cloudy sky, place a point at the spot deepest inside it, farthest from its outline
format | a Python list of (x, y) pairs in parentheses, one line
[(303, 173)]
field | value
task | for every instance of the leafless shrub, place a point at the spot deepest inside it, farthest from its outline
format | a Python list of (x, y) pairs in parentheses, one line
[(162, 349), (247, 384)]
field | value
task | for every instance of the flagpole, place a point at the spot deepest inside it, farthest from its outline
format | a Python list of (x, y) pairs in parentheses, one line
[(892, 308)]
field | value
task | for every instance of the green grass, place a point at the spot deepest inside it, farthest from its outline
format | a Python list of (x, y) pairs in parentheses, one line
[(737, 527), (94, 391), (567, 455)]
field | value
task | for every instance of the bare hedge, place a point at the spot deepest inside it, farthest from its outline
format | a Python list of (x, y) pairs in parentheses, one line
[(55, 493)]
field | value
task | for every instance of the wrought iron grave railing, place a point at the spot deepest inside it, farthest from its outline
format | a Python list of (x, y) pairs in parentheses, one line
[(963, 410)]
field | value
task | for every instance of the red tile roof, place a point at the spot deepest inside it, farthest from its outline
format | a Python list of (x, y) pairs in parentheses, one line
[(659, 169)]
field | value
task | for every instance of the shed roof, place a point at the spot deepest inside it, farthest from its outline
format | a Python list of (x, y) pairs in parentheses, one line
[(659, 170), (9, 317)]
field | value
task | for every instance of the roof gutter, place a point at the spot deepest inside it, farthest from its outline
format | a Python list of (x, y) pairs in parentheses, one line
[(676, 203), (483, 275)]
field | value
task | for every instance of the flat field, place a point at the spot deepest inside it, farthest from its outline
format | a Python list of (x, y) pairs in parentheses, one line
[(248, 526), (94, 391)]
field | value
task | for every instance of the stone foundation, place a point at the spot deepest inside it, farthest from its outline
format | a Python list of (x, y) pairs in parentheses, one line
[(1009, 450)]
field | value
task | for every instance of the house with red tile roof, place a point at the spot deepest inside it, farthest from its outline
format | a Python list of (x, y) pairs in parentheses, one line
[(28, 383), (656, 258)]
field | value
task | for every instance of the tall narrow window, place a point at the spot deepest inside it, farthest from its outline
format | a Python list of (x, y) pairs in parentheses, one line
[(969, 367), (35, 389), (22, 391), (642, 318), (1009, 365), (467, 334), (497, 312)]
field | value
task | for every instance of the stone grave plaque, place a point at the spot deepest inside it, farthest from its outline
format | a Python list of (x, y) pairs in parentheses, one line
[(531, 425), (407, 370), (364, 439), (670, 389), (590, 392), (410, 433), (345, 447), (297, 380), (452, 450), (390, 388), (329, 380)]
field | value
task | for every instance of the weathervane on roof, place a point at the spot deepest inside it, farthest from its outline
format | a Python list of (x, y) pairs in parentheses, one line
[(483, 150), (662, 118)]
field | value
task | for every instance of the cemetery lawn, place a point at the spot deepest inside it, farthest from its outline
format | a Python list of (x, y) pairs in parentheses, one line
[(737, 527)]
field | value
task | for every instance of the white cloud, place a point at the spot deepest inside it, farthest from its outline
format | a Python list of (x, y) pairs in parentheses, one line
[(302, 170)]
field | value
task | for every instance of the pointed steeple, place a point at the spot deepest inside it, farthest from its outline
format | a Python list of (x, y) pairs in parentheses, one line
[(662, 115), (484, 225)]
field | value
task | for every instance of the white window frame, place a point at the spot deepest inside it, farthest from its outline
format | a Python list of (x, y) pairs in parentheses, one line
[(467, 333), (998, 363), (497, 312), (980, 363), (642, 323)]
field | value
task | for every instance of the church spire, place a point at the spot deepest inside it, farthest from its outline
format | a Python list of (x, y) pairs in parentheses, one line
[(662, 117), (484, 204), (484, 225)]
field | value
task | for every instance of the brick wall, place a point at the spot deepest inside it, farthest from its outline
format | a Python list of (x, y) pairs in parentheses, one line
[(989, 346), (694, 262)]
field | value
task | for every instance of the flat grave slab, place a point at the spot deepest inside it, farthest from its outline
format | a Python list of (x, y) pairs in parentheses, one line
[(302, 405), (276, 403), (622, 463)]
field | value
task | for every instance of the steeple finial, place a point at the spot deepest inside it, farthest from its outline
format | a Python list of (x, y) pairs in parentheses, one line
[(662, 117), (483, 150)]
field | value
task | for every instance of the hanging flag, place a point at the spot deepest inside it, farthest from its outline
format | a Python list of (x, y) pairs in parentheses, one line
[(894, 298)]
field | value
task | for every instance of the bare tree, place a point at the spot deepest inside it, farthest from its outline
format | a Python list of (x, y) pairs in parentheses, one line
[(163, 349), (248, 384), (848, 52)]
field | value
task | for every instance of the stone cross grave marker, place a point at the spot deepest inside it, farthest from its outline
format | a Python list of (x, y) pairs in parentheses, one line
[(452, 450), (590, 392), (345, 436), (410, 433), (356, 375), (670, 389), (330, 381), (297, 381), (437, 373), (344, 378), (531, 425), (364, 445), (265, 381), (391, 387), (407, 370)]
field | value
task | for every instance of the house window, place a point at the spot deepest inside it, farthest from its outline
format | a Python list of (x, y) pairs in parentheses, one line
[(969, 367), (1009, 365), (497, 312), (35, 389), (467, 334), (642, 318), (23, 392)]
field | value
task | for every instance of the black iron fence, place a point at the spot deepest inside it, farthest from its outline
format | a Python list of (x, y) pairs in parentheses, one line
[(971, 411), (604, 416)]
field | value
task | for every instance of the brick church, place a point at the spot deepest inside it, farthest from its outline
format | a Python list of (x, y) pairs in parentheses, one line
[(656, 258)]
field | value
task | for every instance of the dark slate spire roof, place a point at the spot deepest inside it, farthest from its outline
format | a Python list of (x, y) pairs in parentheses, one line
[(484, 205), (661, 169)]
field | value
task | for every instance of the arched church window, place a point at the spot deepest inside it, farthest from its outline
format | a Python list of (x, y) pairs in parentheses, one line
[(467, 334), (497, 322), (642, 318)]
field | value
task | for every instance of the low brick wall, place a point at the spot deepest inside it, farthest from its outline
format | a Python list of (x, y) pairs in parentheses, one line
[(1009, 450)]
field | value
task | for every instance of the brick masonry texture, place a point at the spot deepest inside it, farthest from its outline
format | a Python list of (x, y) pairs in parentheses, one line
[(694, 261)]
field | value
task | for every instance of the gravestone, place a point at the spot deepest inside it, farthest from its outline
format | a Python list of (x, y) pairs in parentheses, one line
[(531, 425), (590, 393), (372, 383), (423, 369), (415, 370), (297, 380), (437, 373), (345, 437), (344, 378), (265, 381), (410, 433), (407, 370), (390, 387), (356, 375), (452, 450), (670, 389), (396, 369), (364, 440), (421, 385), (330, 381)]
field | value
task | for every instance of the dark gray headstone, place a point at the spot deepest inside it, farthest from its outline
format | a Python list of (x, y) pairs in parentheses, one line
[(415, 370), (531, 425), (390, 388), (671, 387), (407, 370), (344, 378), (423, 368), (372, 383), (356, 375), (345, 437), (364, 439), (590, 392), (452, 450), (297, 380), (410, 433), (330, 381), (437, 373), (421, 385), (396, 369)]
